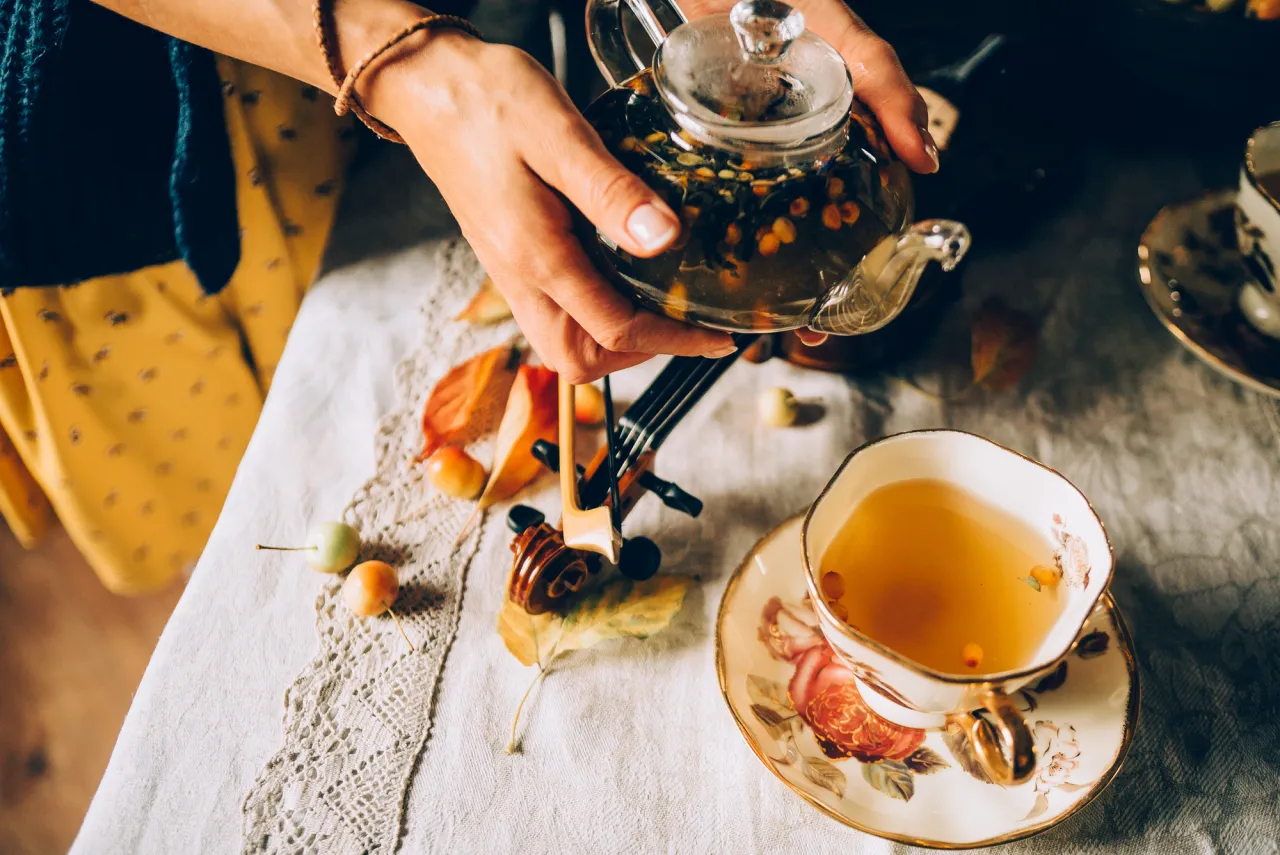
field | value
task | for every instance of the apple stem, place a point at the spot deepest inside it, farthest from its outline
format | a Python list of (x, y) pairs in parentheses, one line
[(467, 527), (288, 548), (400, 627)]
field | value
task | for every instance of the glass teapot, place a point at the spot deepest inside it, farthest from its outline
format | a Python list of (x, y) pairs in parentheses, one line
[(794, 211)]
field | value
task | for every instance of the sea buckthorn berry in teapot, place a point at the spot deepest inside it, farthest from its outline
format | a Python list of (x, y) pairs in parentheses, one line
[(794, 210)]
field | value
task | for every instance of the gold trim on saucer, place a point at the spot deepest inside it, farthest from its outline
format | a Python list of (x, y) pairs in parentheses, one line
[(1123, 640)]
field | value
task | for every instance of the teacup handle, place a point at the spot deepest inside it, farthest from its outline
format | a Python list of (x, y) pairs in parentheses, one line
[(1008, 757)]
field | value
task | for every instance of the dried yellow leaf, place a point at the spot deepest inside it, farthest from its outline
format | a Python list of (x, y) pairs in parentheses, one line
[(530, 638), (620, 608), (488, 306)]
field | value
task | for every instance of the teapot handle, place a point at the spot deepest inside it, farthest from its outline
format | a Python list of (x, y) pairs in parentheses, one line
[(614, 54)]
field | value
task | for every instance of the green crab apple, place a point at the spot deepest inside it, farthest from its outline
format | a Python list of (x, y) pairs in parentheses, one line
[(331, 547)]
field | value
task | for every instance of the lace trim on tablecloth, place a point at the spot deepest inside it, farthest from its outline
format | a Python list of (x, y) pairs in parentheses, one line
[(358, 715)]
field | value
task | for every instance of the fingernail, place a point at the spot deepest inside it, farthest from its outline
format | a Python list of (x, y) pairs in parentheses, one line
[(722, 351), (651, 227), (930, 147)]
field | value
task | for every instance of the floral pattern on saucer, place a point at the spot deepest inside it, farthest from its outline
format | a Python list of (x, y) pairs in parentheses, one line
[(822, 695), (800, 709)]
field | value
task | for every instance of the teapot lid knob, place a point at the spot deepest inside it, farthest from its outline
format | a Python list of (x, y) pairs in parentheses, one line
[(765, 28), (754, 76)]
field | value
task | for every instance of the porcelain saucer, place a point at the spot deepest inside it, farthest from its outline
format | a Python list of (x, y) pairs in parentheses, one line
[(922, 787), (1191, 272)]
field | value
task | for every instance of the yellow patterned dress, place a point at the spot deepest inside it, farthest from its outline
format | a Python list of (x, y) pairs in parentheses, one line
[(127, 401)]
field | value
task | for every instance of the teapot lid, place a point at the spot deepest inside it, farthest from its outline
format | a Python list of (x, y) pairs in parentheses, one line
[(755, 75)]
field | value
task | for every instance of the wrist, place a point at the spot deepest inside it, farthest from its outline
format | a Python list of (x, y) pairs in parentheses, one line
[(410, 86), (362, 26)]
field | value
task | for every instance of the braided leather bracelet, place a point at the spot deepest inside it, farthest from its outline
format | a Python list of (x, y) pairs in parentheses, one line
[(346, 83)]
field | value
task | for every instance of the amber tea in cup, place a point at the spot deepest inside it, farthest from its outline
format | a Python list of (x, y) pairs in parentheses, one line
[(944, 578)]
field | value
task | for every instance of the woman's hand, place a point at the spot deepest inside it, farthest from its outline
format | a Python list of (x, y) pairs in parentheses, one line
[(878, 78), (502, 142)]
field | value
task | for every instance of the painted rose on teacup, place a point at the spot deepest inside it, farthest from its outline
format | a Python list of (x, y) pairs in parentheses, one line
[(824, 691), (910, 697)]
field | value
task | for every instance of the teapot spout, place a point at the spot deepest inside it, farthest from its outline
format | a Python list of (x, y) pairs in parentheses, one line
[(878, 289)]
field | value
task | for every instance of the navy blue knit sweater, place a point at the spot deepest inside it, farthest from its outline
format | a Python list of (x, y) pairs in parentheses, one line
[(113, 150)]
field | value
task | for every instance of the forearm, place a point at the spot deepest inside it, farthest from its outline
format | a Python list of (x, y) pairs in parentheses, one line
[(280, 34)]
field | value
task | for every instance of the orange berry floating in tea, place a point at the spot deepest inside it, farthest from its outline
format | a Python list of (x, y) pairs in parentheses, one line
[(944, 578)]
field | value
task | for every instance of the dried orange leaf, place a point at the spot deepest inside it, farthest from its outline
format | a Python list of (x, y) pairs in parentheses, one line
[(1003, 346), (488, 306), (531, 415), (447, 415)]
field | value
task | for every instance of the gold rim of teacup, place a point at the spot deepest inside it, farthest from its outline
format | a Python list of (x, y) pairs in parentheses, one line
[(820, 603)]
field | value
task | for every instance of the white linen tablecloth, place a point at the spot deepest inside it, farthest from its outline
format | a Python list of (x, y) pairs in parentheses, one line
[(629, 747)]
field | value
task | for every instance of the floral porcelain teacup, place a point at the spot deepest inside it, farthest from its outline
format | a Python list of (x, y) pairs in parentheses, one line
[(1258, 229), (909, 694)]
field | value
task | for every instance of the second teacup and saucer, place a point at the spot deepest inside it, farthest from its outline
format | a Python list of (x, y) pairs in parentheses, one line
[(959, 744), (1210, 270)]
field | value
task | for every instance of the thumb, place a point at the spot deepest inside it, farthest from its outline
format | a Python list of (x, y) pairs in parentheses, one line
[(617, 202)]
